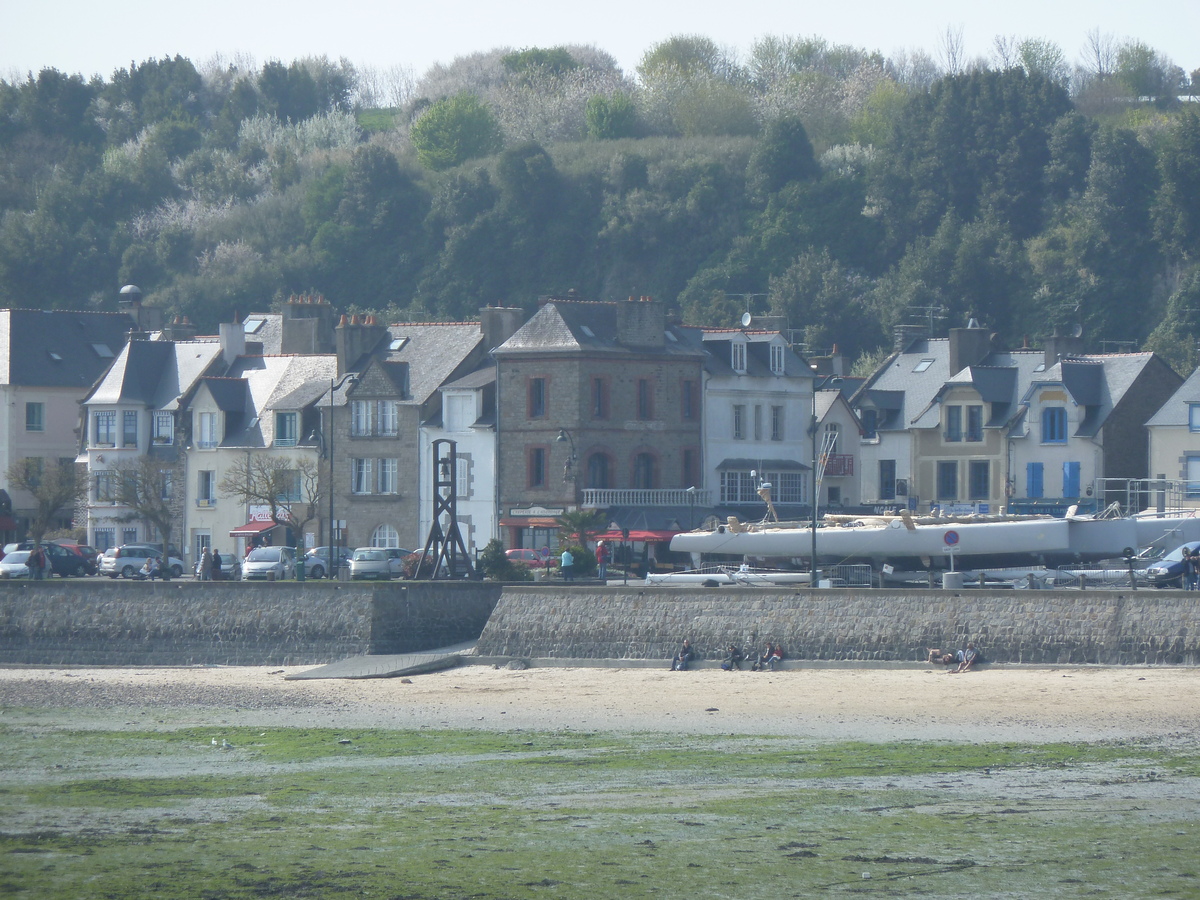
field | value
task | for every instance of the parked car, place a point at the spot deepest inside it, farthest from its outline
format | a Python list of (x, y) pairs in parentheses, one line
[(89, 554), (379, 563), (126, 561), (316, 561), (13, 564), (531, 558), (1168, 571), (64, 561), (266, 563)]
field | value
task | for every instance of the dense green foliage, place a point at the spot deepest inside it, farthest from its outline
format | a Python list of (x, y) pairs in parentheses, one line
[(844, 190)]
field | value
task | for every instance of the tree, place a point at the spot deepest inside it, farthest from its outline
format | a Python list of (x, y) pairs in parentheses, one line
[(783, 153), (611, 117), (289, 488), (579, 525), (453, 130), (1177, 207), (151, 488), (56, 488)]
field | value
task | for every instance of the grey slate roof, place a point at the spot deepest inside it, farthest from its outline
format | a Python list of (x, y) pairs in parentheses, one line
[(584, 326), (1176, 411), (156, 373), (1097, 383), (58, 348)]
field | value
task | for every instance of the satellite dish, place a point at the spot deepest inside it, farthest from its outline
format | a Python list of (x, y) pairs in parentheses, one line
[(1077, 330), (747, 319)]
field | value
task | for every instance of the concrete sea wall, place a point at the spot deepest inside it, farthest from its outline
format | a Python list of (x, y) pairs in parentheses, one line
[(102, 622), (1044, 627)]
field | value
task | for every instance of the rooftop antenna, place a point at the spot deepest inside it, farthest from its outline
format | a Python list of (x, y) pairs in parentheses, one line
[(932, 312)]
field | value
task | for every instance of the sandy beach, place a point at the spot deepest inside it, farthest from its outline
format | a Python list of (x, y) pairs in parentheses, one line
[(994, 704)]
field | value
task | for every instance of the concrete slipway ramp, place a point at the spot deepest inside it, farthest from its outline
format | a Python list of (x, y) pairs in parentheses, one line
[(391, 666)]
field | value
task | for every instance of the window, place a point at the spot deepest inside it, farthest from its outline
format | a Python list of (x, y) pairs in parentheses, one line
[(953, 423), (1054, 425), (459, 413), (974, 423), (923, 365), (462, 477), (360, 418), (777, 359), (777, 423), (129, 535), (737, 487), (387, 413), (689, 397), (103, 538), (385, 536), (1194, 417), (289, 485), (979, 479), (738, 358), (537, 398), (167, 486), (388, 469), (129, 428), (742, 486), (947, 480), (599, 398), (360, 476), (599, 471), (105, 432), (106, 490), (870, 423), (645, 399), (1193, 477), (35, 417), (537, 466), (206, 484), (739, 422), (833, 432), (887, 479), (1070, 479), (163, 428), (758, 422), (285, 429), (208, 430), (643, 472), (1034, 480)]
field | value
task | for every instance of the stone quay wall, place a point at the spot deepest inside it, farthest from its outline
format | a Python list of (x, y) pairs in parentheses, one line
[(1039, 627), (102, 622)]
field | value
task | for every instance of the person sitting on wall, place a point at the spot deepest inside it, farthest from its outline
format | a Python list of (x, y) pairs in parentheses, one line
[(764, 661), (683, 657), (966, 658), (148, 571), (941, 657), (733, 658), (775, 659)]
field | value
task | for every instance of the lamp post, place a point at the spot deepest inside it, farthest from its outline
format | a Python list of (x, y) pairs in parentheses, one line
[(569, 470), (818, 384), (691, 492), (334, 384)]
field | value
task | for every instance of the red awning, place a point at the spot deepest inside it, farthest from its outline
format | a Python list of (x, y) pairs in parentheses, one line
[(638, 535), (530, 522), (252, 528)]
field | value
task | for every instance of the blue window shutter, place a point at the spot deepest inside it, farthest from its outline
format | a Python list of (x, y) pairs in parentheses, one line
[(1033, 480), (1070, 479)]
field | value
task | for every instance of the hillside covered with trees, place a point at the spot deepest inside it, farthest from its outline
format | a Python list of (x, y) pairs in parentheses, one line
[(847, 191)]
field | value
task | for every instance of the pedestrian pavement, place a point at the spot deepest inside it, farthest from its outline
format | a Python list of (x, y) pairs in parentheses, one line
[(390, 665)]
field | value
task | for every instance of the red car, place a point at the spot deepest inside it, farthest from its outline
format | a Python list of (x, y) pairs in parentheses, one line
[(531, 558)]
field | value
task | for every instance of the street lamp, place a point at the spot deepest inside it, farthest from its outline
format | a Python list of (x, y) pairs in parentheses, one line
[(569, 470), (813, 429), (691, 492), (334, 384)]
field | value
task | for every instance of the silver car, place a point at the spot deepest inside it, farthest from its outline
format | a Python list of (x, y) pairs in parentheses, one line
[(269, 564), (379, 563)]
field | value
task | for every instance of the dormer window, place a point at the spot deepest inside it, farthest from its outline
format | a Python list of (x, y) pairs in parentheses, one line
[(777, 359), (164, 428), (286, 429), (738, 360), (1194, 417)]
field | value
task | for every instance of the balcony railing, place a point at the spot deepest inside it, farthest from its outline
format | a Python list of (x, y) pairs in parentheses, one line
[(837, 464), (597, 498)]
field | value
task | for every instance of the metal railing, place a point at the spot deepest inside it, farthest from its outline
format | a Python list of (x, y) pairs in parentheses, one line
[(602, 498)]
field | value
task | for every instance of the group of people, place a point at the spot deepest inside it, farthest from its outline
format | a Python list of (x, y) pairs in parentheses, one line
[(210, 565), (37, 563), (770, 659), (962, 660), (1191, 569)]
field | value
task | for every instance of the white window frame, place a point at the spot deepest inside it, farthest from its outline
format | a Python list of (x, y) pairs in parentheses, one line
[(388, 418), (35, 416), (207, 431), (360, 476), (360, 418), (389, 470), (287, 429), (163, 425), (738, 357), (776, 359), (105, 428), (385, 536)]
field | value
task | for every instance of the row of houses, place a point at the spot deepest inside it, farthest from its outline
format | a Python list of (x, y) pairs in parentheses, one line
[(309, 427)]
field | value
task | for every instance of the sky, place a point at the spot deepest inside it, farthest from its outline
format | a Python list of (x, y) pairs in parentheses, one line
[(97, 38)]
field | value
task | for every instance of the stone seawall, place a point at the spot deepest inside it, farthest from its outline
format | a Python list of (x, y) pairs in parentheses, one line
[(1059, 627), (102, 622)]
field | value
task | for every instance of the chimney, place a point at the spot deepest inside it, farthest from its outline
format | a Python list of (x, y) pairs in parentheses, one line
[(498, 324), (968, 346), (233, 341), (307, 325), (904, 335), (179, 329), (354, 338), (1060, 345), (641, 323)]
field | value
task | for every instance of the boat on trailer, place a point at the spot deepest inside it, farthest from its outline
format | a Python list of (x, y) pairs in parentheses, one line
[(910, 542)]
